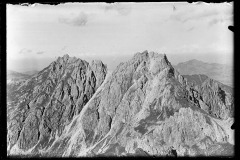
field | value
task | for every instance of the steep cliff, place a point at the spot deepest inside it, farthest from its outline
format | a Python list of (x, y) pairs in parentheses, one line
[(144, 107), (43, 105)]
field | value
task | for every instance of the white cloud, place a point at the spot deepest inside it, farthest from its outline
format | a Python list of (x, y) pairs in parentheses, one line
[(201, 11), (80, 20), (40, 52), (115, 29), (25, 51), (122, 9), (222, 19)]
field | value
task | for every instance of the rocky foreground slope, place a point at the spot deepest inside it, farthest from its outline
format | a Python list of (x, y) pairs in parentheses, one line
[(145, 107)]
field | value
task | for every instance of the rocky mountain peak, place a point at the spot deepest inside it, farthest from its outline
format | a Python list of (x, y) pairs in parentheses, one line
[(48, 101), (65, 57), (144, 106), (153, 57), (97, 62)]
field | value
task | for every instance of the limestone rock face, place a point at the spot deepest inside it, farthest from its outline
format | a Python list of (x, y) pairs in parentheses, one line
[(217, 96), (47, 102), (144, 107)]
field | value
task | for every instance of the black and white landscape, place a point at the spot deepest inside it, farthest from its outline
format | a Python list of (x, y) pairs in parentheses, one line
[(120, 79)]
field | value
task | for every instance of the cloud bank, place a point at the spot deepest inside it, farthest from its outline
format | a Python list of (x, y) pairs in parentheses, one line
[(80, 20), (40, 52), (25, 51), (122, 9)]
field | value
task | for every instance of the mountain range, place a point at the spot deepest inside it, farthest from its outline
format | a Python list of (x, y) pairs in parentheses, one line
[(13, 75), (32, 72), (145, 107), (220, 72)]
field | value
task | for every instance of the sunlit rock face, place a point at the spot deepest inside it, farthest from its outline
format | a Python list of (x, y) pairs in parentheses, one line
[(143, 108), (44, 104)]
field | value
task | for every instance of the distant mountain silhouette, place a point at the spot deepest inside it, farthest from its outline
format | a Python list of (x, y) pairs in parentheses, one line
[(13, 75), (220, 72), (31, 72), (73, 108)]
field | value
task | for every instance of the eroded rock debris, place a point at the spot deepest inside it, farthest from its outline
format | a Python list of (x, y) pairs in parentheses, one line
[(73, 108)]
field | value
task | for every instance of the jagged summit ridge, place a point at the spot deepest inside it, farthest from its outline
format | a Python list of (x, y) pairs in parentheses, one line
[(47, 102), (144, 106), (67, 59), (152, 61), (150, 55)]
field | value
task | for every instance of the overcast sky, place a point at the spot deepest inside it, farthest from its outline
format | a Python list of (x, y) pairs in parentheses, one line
[(38, 34)]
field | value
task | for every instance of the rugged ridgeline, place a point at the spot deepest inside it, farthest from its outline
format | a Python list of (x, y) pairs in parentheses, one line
[(145, 107), (14, 78), (220, 72), (42, 106), (213, 97)]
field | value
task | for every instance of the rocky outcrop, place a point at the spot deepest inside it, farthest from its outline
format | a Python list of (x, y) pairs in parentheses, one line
[(144, 107), (46, 103), (213, 97)]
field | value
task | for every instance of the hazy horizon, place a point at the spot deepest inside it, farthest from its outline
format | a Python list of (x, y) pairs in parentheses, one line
[(38, 34), (113, 62)]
